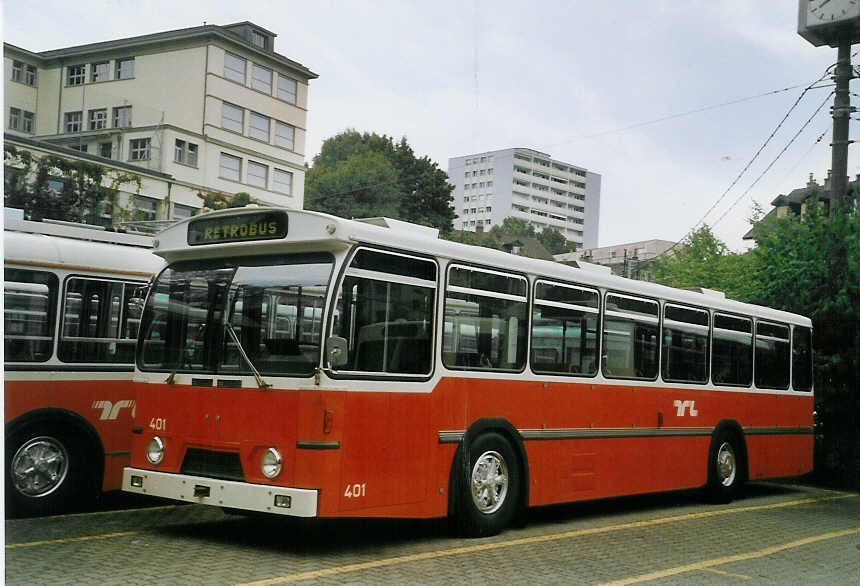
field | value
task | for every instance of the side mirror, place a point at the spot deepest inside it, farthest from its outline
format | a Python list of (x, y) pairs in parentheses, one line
[(337, 352)]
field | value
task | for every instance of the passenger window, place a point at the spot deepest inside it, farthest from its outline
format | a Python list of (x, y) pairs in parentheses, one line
[(486, 314), (772, 356), (385, 311), (801, 352), (30, 301), (732, 356), (564, 329), (685, 344), (100, 320), (630, 331)]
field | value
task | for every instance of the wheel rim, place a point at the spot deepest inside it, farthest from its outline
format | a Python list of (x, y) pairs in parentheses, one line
[(727, 467), (39, 466), (489, 482)]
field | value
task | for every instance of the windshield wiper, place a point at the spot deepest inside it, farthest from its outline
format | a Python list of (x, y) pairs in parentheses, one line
[(260, 382)]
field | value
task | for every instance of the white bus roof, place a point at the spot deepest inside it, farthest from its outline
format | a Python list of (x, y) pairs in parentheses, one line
[(81, 256), (315, 231)]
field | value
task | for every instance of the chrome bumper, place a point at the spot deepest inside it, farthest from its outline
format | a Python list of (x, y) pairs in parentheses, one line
[(294, 502)]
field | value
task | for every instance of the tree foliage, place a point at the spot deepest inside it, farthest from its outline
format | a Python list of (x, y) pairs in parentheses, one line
[(217, 200), (365, 174), (62, 189)]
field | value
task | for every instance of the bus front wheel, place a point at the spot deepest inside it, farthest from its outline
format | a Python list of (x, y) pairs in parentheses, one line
[(725, 470), (45, 471), (489, 497)]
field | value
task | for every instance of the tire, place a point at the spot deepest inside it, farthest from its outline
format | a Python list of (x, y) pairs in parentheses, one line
[(725, 467), (488, 498), (47, 471)]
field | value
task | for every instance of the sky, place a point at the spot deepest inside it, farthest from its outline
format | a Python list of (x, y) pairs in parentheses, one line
[(668, 101)]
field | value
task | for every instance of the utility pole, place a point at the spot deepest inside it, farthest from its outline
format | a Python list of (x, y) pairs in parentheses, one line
[(842, 110)]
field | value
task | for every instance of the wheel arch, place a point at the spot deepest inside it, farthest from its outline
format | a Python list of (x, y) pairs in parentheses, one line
[(460, 464)]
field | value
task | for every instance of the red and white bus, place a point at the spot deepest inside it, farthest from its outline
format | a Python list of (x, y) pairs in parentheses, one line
[(297, 363), (72, 303)]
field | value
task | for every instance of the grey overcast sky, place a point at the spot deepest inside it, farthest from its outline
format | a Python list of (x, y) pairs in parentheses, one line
[(573, 79)]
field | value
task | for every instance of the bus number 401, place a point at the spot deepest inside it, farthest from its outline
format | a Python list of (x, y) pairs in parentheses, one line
[(354, 491), (158, 423)]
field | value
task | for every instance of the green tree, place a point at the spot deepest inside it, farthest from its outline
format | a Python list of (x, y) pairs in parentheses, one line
[(365, 174), (217, 200), (518, 227), (62, 189), (703, 260), (554, 241)]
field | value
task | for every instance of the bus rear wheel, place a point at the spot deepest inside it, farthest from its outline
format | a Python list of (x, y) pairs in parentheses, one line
[(725, 471), (489, 497), (46, 472)]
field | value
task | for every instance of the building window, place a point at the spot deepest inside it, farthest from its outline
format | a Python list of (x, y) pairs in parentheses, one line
[(122, 117), (14, 118), (105, 150), (23, 73), (99, 71), (258, 39), (124, 68), (282, 182), (232, 118), (139, 149), (98, 119), (258, 127), (285, 135), (286, 89), (180, 212), (230, 167), (28, 122), (185, 153), (234, 68), (76, 74), (258, 175), (261, 79), (73, 121), (79, 147), (143, 208)]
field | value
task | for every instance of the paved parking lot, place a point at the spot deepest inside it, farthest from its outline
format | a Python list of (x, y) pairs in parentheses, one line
[(776, 534)]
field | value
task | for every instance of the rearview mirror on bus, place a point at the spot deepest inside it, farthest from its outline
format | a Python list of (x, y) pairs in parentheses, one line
[(336, 351)]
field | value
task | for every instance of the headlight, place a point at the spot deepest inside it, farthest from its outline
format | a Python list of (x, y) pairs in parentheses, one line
[(155, 450), (270, 463)]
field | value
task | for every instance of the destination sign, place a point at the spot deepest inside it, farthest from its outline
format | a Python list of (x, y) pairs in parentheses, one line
[(238, 228)]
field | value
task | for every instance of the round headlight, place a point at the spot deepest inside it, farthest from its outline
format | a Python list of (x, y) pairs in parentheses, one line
[(155, 450), (270, 463)]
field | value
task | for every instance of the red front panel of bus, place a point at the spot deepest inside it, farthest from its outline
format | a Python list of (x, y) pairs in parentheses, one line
[(106, 405), (388, 459)]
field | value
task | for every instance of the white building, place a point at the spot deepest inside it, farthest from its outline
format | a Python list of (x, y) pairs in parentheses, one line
[(528, 185), (632, 259), (203, 109)]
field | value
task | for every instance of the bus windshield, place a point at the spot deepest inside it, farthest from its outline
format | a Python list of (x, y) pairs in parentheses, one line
[(274, 304)]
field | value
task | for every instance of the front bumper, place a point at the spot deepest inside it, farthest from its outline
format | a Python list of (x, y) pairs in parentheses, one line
[(294, 502)]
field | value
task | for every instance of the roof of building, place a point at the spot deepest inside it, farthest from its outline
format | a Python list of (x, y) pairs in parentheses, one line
[(159, 39)]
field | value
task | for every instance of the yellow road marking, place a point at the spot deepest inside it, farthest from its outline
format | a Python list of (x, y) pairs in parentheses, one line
[(315, 574), (732, 558), (72, 539)]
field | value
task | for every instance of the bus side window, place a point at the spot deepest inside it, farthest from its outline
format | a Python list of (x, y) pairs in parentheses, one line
[(564, 329), (686, 338), (801, 352), (486, 320), (772, 355), (630, 332), (385, 312), (732, 351), (30, 301), (93, 312)]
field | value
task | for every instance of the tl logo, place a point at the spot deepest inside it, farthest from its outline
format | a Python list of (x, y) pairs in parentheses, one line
[(110, 410), (682, 406)]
